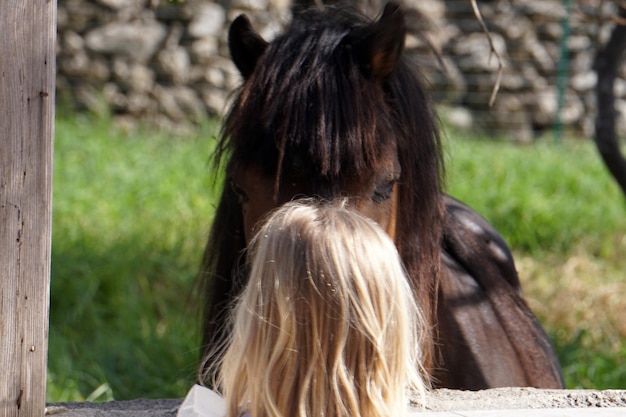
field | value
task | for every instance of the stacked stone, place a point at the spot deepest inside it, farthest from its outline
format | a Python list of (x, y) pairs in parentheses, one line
[(162, 63), (165, 62), (547, 74)]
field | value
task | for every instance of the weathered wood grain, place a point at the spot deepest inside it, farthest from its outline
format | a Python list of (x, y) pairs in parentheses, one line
[(27, 79)]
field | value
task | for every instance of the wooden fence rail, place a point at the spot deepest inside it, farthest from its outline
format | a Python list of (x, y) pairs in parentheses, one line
[(27, 79)]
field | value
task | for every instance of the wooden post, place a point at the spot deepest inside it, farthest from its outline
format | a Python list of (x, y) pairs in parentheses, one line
[(27, 81)]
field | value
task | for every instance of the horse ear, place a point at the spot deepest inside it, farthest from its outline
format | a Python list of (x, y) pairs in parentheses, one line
[(382, 46), (245, 44)]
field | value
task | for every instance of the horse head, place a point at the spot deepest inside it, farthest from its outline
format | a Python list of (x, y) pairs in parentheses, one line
[(330, 108), (312, 117)]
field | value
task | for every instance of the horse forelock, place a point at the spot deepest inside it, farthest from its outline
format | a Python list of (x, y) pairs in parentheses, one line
[(307, 108)]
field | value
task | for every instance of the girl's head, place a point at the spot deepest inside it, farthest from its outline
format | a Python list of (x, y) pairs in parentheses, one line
[(327, 325)]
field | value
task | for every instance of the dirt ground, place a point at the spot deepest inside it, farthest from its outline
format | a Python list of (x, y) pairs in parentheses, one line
[(439, 400), (522, 398)]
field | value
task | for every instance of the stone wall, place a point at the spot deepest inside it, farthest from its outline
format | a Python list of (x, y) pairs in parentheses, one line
[(547, 50), (166, 62)]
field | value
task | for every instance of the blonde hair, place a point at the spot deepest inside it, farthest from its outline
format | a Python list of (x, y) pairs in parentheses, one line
[(327, 325)]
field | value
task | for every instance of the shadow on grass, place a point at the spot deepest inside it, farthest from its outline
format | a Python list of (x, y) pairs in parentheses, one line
[(122, 322)]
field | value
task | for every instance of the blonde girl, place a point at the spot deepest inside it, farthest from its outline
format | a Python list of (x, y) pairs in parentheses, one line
[(327, 325)]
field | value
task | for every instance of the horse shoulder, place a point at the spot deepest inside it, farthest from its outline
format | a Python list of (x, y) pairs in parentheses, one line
[(477, 245), (488, 336)]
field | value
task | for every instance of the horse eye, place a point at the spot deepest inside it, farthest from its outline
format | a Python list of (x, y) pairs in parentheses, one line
[(383, 192), (242, 197)]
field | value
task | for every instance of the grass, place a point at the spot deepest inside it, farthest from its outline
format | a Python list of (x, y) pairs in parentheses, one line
[(132, 211), (544, 197), (130, 216)]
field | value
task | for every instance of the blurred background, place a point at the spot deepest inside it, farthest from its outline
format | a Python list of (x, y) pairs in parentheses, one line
[(141, 88)]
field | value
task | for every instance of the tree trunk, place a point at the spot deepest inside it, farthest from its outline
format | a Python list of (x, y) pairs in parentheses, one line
[(606, 64)]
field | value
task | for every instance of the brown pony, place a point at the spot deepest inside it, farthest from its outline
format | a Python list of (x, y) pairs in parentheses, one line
[(331, 108)]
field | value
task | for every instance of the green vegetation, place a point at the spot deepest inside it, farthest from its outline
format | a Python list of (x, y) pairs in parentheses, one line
[(130, 217), (132, 212), (544, 197)]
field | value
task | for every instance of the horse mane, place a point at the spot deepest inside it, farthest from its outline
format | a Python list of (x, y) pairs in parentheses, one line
[(420, 206), (311, 110)]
